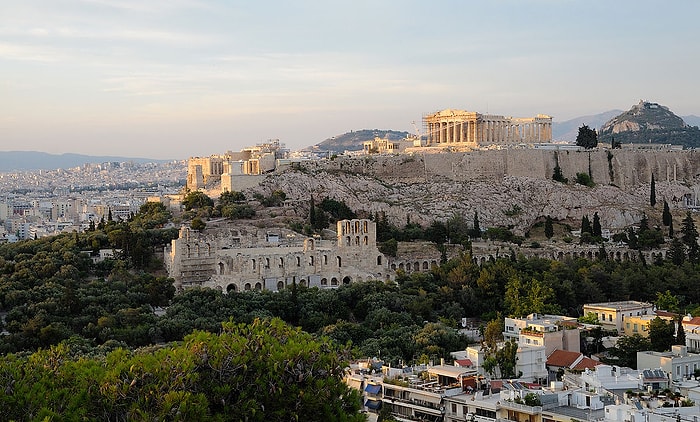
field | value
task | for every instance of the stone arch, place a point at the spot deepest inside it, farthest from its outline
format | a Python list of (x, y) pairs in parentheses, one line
[(393, 267), (357, 240), (433, 263), (365, 240), (339, 260), (590, 255), (311, 260), (196, 249), (231, 288), (254, 264), (334, 281), (281, 262), (208, 249), (325, 259), (401, 266), (347, 240), (221, 267), (302, 282), (258, 286), (425, 266), (324, 282), (298, 261), (347, 280), (379, 260), (416, 266), (246, 286), (280, 285)]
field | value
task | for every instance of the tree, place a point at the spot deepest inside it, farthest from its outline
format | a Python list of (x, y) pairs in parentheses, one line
[(548, 227), (197, 199), (596, 229), (584, 179), (198, 224), (666, 216), (586, 225), (475, 231), (690, 237), (587, 137), (652, 193), (667, 301), (680, 334), (661, 334), (676, 252), (625, 351)]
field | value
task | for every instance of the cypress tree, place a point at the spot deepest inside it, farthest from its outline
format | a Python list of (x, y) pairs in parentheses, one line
[(597, 230), (666, 216), (548, 227), (652, 194)]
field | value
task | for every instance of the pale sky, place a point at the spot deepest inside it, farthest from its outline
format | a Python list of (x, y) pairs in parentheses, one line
[(180, 78)]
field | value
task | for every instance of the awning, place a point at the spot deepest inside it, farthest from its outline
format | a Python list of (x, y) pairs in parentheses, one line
[(373, 388), (373, 404)]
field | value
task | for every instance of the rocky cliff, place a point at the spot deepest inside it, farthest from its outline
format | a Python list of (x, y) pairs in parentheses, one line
[(508, 188)]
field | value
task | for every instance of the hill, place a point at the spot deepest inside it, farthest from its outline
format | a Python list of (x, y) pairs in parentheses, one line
[(648, 122), (352, 141), (568, 130), (34, 160)]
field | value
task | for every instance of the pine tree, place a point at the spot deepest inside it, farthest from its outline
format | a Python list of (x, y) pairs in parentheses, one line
[(676, 252), (548, 227), (652, 194)]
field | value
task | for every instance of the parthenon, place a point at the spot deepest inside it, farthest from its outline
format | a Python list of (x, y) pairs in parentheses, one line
[(471, 129)]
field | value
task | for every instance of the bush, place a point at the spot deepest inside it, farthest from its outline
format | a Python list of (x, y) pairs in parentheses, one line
[(584, 179)]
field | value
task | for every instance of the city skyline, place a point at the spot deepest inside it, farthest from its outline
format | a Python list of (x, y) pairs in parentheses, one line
[(180, 78)]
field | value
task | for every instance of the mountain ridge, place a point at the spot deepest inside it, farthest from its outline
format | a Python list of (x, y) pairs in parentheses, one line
[(36, 160)]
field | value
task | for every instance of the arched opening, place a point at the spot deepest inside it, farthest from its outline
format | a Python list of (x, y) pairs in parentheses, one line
[(334, 281), (393, 267), (280, 285), (416, 266), (247, 286), (302, 282), (311, 260), (231, 288), (253, 264), (267, 262), (401, 266), (379, 260), (346, 280), (425, 266), (357, 240), (281, 262), (189, 252), (365, 241), (325, 259), (221, 267), (258, 286), (298, 262), (324, 282), (340, 261), (365, 227), (347, 241)]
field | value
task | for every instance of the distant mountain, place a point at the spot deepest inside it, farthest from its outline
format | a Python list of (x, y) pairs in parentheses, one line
[(33, 160), (649, 122), (568, 129), (352, 141), (692, 120)]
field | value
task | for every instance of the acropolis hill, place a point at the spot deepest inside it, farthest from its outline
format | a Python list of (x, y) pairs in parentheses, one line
[(509, 187)]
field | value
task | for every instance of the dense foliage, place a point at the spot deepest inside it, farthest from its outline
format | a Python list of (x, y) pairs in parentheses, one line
[(262, 371)]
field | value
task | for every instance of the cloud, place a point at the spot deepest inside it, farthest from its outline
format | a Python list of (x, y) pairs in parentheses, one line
[(13, 51)]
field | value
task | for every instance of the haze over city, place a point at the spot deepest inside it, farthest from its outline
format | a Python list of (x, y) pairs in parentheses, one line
[(178, 78)]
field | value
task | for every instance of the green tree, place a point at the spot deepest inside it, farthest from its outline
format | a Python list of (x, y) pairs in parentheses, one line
[(625, 351), (587, 137), (652, 193), (475, 231), (584, 179), (690, 237), (680, 334), (661, 334), (197, 199), (597, 231), (198, 224), (666, 216), (676, 252), (667, 301), (548, 227)]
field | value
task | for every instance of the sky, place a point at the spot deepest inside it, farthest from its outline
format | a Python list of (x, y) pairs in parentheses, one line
[(170, 79)]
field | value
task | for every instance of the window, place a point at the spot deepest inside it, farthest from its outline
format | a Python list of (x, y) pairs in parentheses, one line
[(454, 408)]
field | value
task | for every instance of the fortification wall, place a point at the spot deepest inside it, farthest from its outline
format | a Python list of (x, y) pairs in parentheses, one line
[(623, 168)]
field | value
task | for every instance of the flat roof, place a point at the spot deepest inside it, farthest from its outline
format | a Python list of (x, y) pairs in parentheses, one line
[(450, 371)]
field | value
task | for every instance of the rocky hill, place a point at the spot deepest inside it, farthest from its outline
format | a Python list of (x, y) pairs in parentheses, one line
[(510, 188), (352, 141), (649, 122)]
